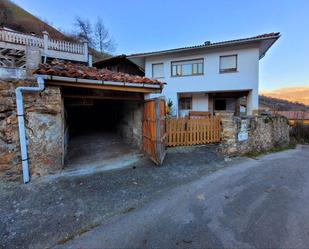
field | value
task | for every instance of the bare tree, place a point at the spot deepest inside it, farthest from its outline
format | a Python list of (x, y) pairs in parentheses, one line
[(84, 30), (103, 41), (3, 18)]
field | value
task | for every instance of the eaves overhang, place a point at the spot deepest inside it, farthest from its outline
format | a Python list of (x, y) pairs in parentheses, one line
[(101, 84), (264, 42)]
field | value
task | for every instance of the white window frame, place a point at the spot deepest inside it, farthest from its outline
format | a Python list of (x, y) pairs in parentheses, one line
[(228, 70), (157, 64)]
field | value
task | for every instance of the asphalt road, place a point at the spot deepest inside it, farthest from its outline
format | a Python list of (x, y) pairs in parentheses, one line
[(258, 203)]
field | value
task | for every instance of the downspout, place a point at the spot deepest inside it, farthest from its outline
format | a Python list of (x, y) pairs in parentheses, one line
[(21, 123)]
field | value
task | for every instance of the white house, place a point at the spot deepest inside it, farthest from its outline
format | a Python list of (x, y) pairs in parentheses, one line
[(211, 76)]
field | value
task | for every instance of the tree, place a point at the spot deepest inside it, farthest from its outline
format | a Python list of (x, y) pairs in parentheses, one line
[(103, 41), (169, 108), (84, 30), (96, 35), (3, 18)]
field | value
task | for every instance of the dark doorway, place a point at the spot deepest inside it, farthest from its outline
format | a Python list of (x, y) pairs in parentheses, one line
[(93, 115), (100, 128), (220, 104)]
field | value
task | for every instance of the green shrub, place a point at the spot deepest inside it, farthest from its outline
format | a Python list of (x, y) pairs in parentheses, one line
[(300, 132)]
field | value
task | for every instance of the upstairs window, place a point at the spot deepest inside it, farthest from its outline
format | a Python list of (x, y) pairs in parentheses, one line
[(157, 70), (187, 68), (228, 63)]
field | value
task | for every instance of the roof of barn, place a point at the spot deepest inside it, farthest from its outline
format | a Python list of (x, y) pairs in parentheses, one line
[(71, 70)]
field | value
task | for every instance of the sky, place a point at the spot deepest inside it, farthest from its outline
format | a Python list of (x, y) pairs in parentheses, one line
[(142, 26)]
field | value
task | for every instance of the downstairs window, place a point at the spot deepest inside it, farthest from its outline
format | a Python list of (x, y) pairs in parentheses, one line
[(185, 103)]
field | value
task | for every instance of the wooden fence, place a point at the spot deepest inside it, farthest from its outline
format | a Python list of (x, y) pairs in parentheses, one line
[(184, 131)]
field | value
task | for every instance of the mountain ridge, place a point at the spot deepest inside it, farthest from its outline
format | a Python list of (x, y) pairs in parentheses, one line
[(14, 17), (294, 94)]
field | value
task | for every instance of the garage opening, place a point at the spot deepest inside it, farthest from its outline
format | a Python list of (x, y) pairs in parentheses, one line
[(101, 127)]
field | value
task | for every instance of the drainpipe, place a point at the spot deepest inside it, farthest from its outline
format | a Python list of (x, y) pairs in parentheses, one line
[(21, 123)]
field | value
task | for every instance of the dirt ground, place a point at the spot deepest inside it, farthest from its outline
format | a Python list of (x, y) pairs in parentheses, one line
[(92, 149), (52, 210)]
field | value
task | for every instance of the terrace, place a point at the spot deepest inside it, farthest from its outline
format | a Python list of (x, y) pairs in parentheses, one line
[(20, 53)]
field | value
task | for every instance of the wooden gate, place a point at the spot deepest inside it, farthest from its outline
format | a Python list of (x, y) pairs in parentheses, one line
[(185, 131), (154, 129)]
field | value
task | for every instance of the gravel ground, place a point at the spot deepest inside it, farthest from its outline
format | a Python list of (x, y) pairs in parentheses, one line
[(51, 211), (256, 203)]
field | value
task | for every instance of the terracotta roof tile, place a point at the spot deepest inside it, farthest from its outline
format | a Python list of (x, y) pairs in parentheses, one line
[(68, 69)]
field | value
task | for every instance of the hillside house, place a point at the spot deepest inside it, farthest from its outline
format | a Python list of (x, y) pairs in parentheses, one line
[(209, 77), (74, 116)]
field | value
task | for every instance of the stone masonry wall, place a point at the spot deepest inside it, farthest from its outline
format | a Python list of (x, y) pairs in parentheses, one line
[(44, 129), (264, 132), (130, 127)]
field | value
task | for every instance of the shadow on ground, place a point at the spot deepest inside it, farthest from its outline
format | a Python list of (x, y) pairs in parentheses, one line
[(48, 212)]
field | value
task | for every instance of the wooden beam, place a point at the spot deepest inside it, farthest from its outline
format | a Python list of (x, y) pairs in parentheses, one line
[(229, 94), (102, 97), (105, 87)]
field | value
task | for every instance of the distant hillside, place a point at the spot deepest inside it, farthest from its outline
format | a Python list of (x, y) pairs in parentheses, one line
[(281, 104), (293, 94), (14, 17)]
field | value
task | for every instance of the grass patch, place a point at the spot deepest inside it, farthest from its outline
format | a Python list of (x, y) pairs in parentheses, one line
[(80, 232), (87, 228), (272, 150), (130, 209)]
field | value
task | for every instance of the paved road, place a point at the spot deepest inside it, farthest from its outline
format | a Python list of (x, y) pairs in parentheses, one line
[(259, 203)]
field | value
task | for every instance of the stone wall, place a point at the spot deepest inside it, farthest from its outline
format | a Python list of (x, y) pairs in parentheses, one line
[(44, 129), (264, 132), (130, 127)]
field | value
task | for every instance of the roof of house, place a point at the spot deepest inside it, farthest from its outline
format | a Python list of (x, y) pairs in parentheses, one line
[(269, 36), (116, 59), (70, 70), (295, 114), (110, 59)]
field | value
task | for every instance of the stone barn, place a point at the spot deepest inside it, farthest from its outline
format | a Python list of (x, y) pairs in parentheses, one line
[(82, 118)]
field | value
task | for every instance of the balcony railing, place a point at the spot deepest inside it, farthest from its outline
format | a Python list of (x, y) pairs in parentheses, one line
[(50, 47), (20, 38)]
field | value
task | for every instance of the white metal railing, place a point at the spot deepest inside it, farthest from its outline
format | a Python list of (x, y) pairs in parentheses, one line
[(43, 42), (66, 46), (20, 38)]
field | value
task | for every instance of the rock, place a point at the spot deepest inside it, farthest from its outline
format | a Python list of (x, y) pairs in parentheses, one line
[(43, 118), (264, 133)]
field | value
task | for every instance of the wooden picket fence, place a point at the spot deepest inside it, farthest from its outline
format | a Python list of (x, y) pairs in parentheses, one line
[(185, 131)]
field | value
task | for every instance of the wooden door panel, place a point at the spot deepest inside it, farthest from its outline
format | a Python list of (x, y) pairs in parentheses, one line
[(154, 129)]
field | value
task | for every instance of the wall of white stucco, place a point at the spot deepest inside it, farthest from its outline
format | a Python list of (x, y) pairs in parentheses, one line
[(246, 78)]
